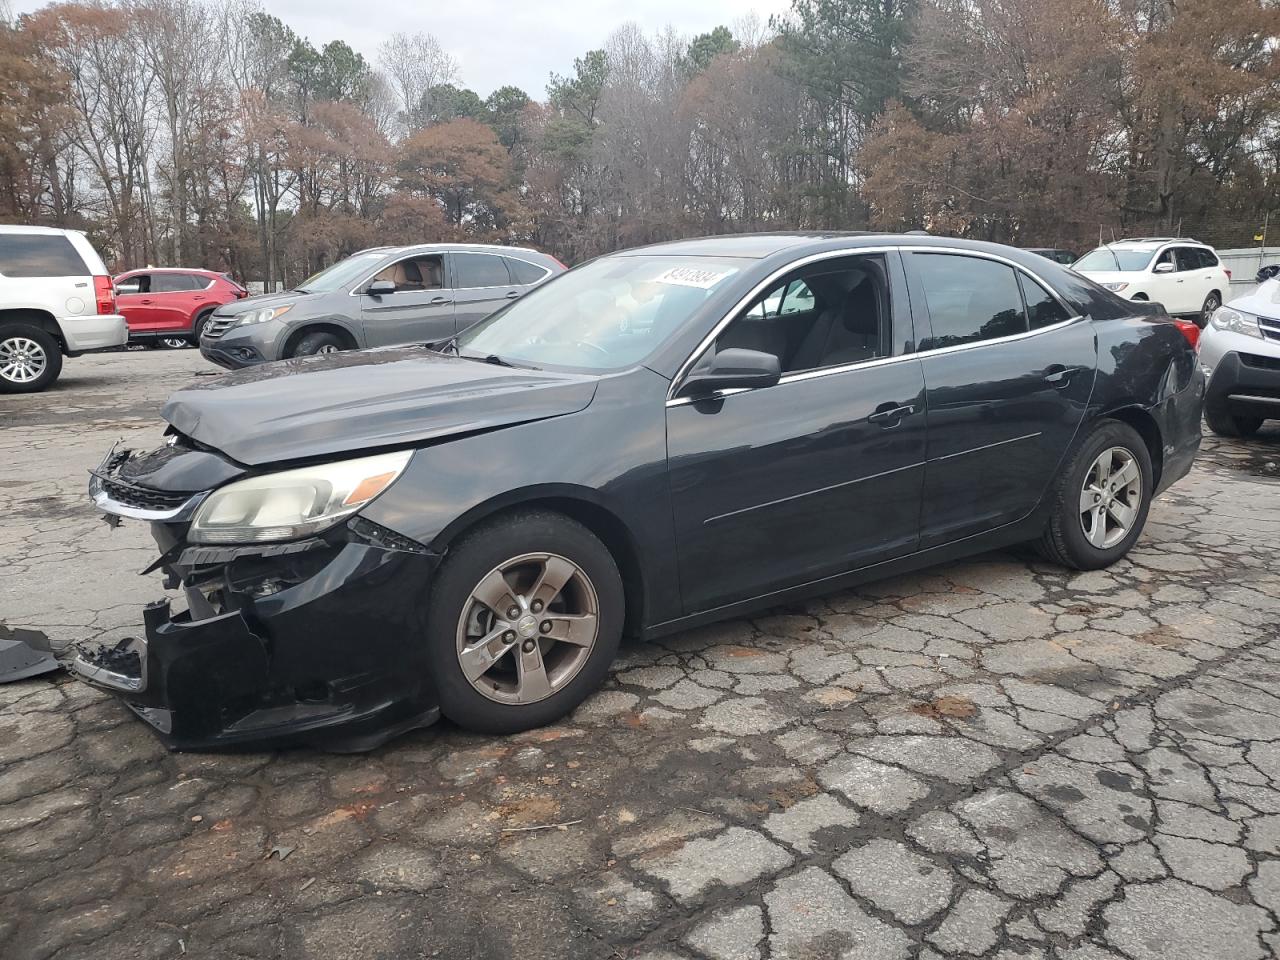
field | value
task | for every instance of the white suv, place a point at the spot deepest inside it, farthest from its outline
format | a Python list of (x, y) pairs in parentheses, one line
[(1183, 275), (56, 298)]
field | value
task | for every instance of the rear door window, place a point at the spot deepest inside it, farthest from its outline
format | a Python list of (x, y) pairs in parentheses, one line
[(970, 299), (522, 271), (172, 283), (480, 270), (39, 255)]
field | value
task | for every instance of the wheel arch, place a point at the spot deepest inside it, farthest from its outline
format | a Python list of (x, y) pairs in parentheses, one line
[(318, 326), (1148, 429), (36, 318), (578, 503)]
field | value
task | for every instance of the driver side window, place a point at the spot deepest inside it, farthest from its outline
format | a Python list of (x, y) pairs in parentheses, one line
[(827, 314), (414, 274)]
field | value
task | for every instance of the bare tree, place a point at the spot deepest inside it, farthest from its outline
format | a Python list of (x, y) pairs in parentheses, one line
[(414, 64)]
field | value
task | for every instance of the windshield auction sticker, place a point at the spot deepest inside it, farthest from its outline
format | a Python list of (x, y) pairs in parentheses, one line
[(699, 277)]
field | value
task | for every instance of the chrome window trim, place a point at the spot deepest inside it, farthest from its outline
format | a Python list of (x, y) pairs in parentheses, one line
[(673, 401)]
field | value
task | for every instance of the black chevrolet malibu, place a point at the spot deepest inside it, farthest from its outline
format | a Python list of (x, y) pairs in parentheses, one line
[(657, 439)]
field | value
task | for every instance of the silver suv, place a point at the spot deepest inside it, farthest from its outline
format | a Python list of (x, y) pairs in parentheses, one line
[(374, 298)]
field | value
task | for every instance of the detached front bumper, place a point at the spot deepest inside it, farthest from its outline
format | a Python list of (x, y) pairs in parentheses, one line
[(320, 641)]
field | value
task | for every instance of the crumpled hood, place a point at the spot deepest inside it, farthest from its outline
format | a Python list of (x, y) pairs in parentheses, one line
[(1264, 301), (364, 399)]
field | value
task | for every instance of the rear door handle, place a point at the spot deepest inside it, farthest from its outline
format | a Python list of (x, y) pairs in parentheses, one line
[(513, 294), (1057, 374), (891, 413), (436, 301)]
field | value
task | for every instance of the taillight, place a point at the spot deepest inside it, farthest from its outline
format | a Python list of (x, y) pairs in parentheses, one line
[(105, 293), (1190, 331), (1227, 272)]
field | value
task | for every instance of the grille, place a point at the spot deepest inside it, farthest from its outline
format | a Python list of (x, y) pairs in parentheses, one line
[(142, 498), (217, 326), (1262, 363), (1270, 328)]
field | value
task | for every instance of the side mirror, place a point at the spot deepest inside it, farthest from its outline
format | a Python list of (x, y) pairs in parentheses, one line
[(380, 288), (1165, 267), (733, 369)]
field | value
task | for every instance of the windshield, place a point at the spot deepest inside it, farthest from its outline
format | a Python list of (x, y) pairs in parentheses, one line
[(605, 315), (1113, 259), (342, 273)]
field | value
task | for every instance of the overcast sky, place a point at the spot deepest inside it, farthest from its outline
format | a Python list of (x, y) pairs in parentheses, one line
[(500, 41)]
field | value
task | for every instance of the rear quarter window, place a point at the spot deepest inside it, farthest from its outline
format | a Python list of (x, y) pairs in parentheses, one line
[(522, 271), (39, 255)]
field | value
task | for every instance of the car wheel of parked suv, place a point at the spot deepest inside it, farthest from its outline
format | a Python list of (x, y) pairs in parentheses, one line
[(30, 359), (1227, 425), (1102, 500), (525, 618), (319, 342), (1211, 303)]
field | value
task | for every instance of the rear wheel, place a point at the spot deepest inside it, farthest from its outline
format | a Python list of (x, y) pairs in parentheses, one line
[(1101, 501), (175, 343), (1227, 425), (30, 359), (1211, 303), (319, 342), (198, 327), (525, 618)]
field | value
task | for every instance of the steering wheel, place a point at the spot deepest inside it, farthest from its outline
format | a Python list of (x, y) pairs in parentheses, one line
[(593, 346)]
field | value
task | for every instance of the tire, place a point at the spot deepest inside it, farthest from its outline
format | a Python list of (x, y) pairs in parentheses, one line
[(455, 619), (1211, 303), (1065, 540), (30, 358), (198, 327), (175, 343), (1227, 425), (318, 342)]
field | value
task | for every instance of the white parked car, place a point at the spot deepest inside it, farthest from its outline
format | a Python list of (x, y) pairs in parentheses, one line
[(1240, 356), (1183, 275), (56, 299)]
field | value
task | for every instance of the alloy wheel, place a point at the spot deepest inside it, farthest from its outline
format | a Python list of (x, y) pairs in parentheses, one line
[(1211, 303), (174, 343), (1110, 498), (527, 628), (22, 360)]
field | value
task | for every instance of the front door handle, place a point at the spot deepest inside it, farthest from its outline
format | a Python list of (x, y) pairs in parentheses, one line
[(513, 294), (145, 301), (1059, 375), (436, 301), (890, 413)]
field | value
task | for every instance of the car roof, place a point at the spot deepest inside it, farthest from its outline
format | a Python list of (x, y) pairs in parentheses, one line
[(212, 273), (451, 247), (18, 228), (762, 246)]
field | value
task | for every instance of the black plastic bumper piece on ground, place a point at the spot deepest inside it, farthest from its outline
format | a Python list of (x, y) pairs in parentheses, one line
[(334, 661)]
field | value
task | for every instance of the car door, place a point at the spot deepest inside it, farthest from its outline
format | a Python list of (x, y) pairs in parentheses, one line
[(419, 310), (820, 473), (173, 300), (482, 284), (1196, 265), (133, 300), (1008, 372)]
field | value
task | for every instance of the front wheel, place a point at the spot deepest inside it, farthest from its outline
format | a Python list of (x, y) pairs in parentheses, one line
[(313, 343), (1101, 501), (30, 359), (525, 618), (1226, 425)]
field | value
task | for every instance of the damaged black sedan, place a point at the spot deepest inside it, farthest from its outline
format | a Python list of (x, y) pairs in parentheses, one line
[(657, 439)]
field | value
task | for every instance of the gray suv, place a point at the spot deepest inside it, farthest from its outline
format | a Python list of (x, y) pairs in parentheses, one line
[(375, 298)]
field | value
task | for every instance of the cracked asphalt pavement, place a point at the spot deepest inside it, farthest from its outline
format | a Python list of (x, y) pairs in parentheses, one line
[(995, 758)]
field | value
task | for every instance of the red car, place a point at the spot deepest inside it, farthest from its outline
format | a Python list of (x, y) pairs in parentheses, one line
[(169, 305)]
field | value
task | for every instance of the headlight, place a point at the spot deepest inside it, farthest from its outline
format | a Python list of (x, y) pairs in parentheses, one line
[(1233, 321), (293, 503), (263, 315), (1115, 287)]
